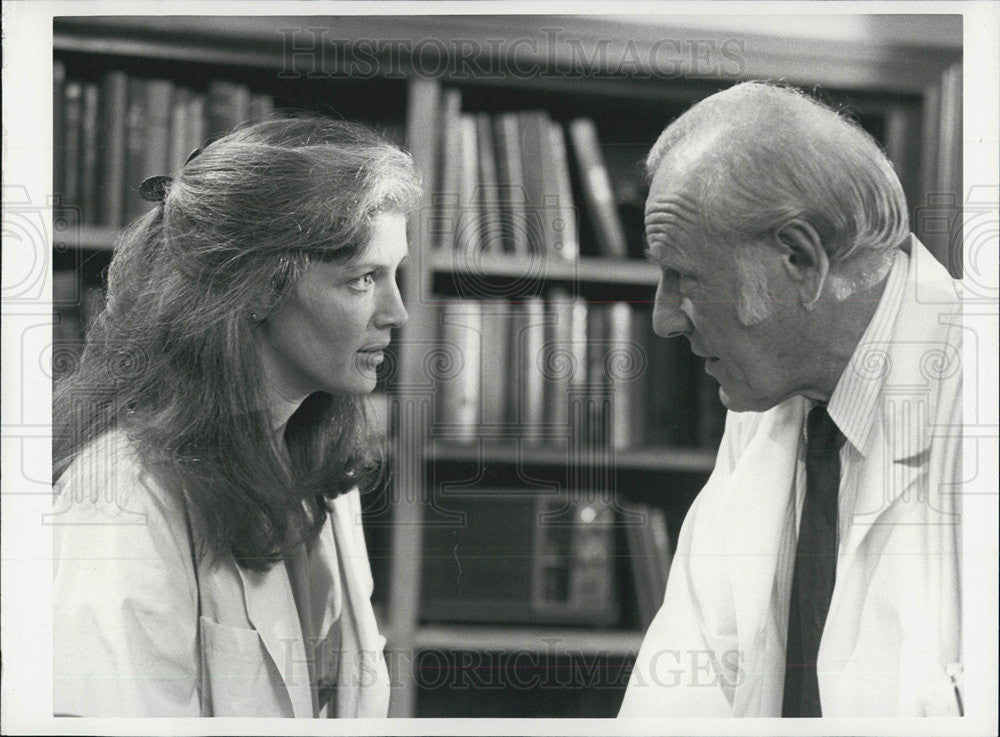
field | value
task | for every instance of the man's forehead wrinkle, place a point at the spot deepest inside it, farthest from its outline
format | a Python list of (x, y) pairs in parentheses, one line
[(676, 211)]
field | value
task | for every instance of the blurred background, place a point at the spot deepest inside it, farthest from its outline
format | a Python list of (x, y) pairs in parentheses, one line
[(542, 445)]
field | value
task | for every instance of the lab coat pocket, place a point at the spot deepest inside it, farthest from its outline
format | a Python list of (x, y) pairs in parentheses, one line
[(238, 678)]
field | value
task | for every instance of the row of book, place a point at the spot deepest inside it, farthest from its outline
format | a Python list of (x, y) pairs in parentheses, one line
[(520, 556), (561, 370), (110, 134), (506, 184)]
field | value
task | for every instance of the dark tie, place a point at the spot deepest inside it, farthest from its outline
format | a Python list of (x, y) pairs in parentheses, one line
[(815, 566)]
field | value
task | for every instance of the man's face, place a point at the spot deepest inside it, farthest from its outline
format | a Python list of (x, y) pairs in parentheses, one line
[(700, 295)]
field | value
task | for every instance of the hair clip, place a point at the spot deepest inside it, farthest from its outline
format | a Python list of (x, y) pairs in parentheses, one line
[(192, 155), (154, 189)]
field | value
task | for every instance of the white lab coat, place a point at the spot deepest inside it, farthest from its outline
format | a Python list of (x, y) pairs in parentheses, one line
[(892, 640), (141, 629)]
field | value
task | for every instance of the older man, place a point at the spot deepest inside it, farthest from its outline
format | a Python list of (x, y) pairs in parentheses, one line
[(818, 571)]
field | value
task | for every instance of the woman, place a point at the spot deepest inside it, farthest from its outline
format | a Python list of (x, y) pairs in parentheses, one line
[(209, 558)]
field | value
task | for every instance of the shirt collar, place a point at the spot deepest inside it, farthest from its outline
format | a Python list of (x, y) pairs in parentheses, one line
[(854, 400)]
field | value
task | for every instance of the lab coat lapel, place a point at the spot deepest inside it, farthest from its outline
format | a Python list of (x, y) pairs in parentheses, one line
[(270, 602), (759, 520)]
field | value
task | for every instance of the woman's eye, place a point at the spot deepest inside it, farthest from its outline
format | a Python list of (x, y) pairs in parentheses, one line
[(363, 282)]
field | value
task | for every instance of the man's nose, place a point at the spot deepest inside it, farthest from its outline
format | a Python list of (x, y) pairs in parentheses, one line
[(669, 317)]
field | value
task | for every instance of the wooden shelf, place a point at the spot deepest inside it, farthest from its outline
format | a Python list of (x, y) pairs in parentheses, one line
[(684, 460), (587, 269), (565, 641)]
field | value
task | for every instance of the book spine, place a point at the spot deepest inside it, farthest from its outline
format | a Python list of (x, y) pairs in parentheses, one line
[(598, 420), (591, 584), (73, 113), (135, 149), (558, 364), (596, 184), (451, 174), (114, 109), (643, 581), (495, 373), (528, 341), (261, 108), (220, 108), (159, 100), (89, 153), (540, 189), (195, 126), (488, 186), (567, 244), (622, 361), (178, 129), (468, 235), (510, 174), (459, 393), (58, 129)]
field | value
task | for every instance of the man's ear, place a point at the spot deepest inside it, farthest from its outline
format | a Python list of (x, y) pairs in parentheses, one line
[(804, 259)]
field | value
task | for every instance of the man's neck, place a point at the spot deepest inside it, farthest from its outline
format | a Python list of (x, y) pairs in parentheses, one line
[(837, 328)]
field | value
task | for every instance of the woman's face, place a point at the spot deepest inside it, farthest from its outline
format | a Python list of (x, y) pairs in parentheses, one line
[(330, 333)]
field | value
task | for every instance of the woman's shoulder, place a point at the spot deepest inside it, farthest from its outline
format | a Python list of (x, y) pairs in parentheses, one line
[(107, 480)]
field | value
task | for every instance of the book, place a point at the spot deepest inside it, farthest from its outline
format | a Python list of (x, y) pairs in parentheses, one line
[(88, 153), (640, 565), (195, 127), (623, 363), (227, 107), (447, 204), (558, 364), (495, 374), (111, 165), (527, 348), (574, 561), (567, 245), (135, 149), (540, 187), (598, 414), (510, 179), (468, 235), (649, 551), (459, 394), (159, 97), (178, 130), (58, 127), (596, 185), (260, 107), (72, 122), (489, 196)]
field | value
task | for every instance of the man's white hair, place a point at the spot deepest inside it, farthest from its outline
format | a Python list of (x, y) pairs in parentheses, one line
[(769, 155)]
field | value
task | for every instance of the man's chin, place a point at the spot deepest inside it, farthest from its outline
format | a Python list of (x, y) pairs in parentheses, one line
[(737, 403)]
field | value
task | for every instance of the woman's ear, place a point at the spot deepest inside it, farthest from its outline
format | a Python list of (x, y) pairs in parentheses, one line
[(804, 259)]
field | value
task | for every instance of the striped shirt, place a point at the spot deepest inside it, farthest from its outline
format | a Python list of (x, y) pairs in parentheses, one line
[(854, 402)]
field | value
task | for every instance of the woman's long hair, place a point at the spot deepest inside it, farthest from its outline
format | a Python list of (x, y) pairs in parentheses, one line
[(173, 361)]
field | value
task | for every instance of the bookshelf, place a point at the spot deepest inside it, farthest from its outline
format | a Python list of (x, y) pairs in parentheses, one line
[(905, 97)]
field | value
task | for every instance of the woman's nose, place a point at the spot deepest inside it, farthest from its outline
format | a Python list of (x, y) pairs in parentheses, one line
[(392, 313)]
